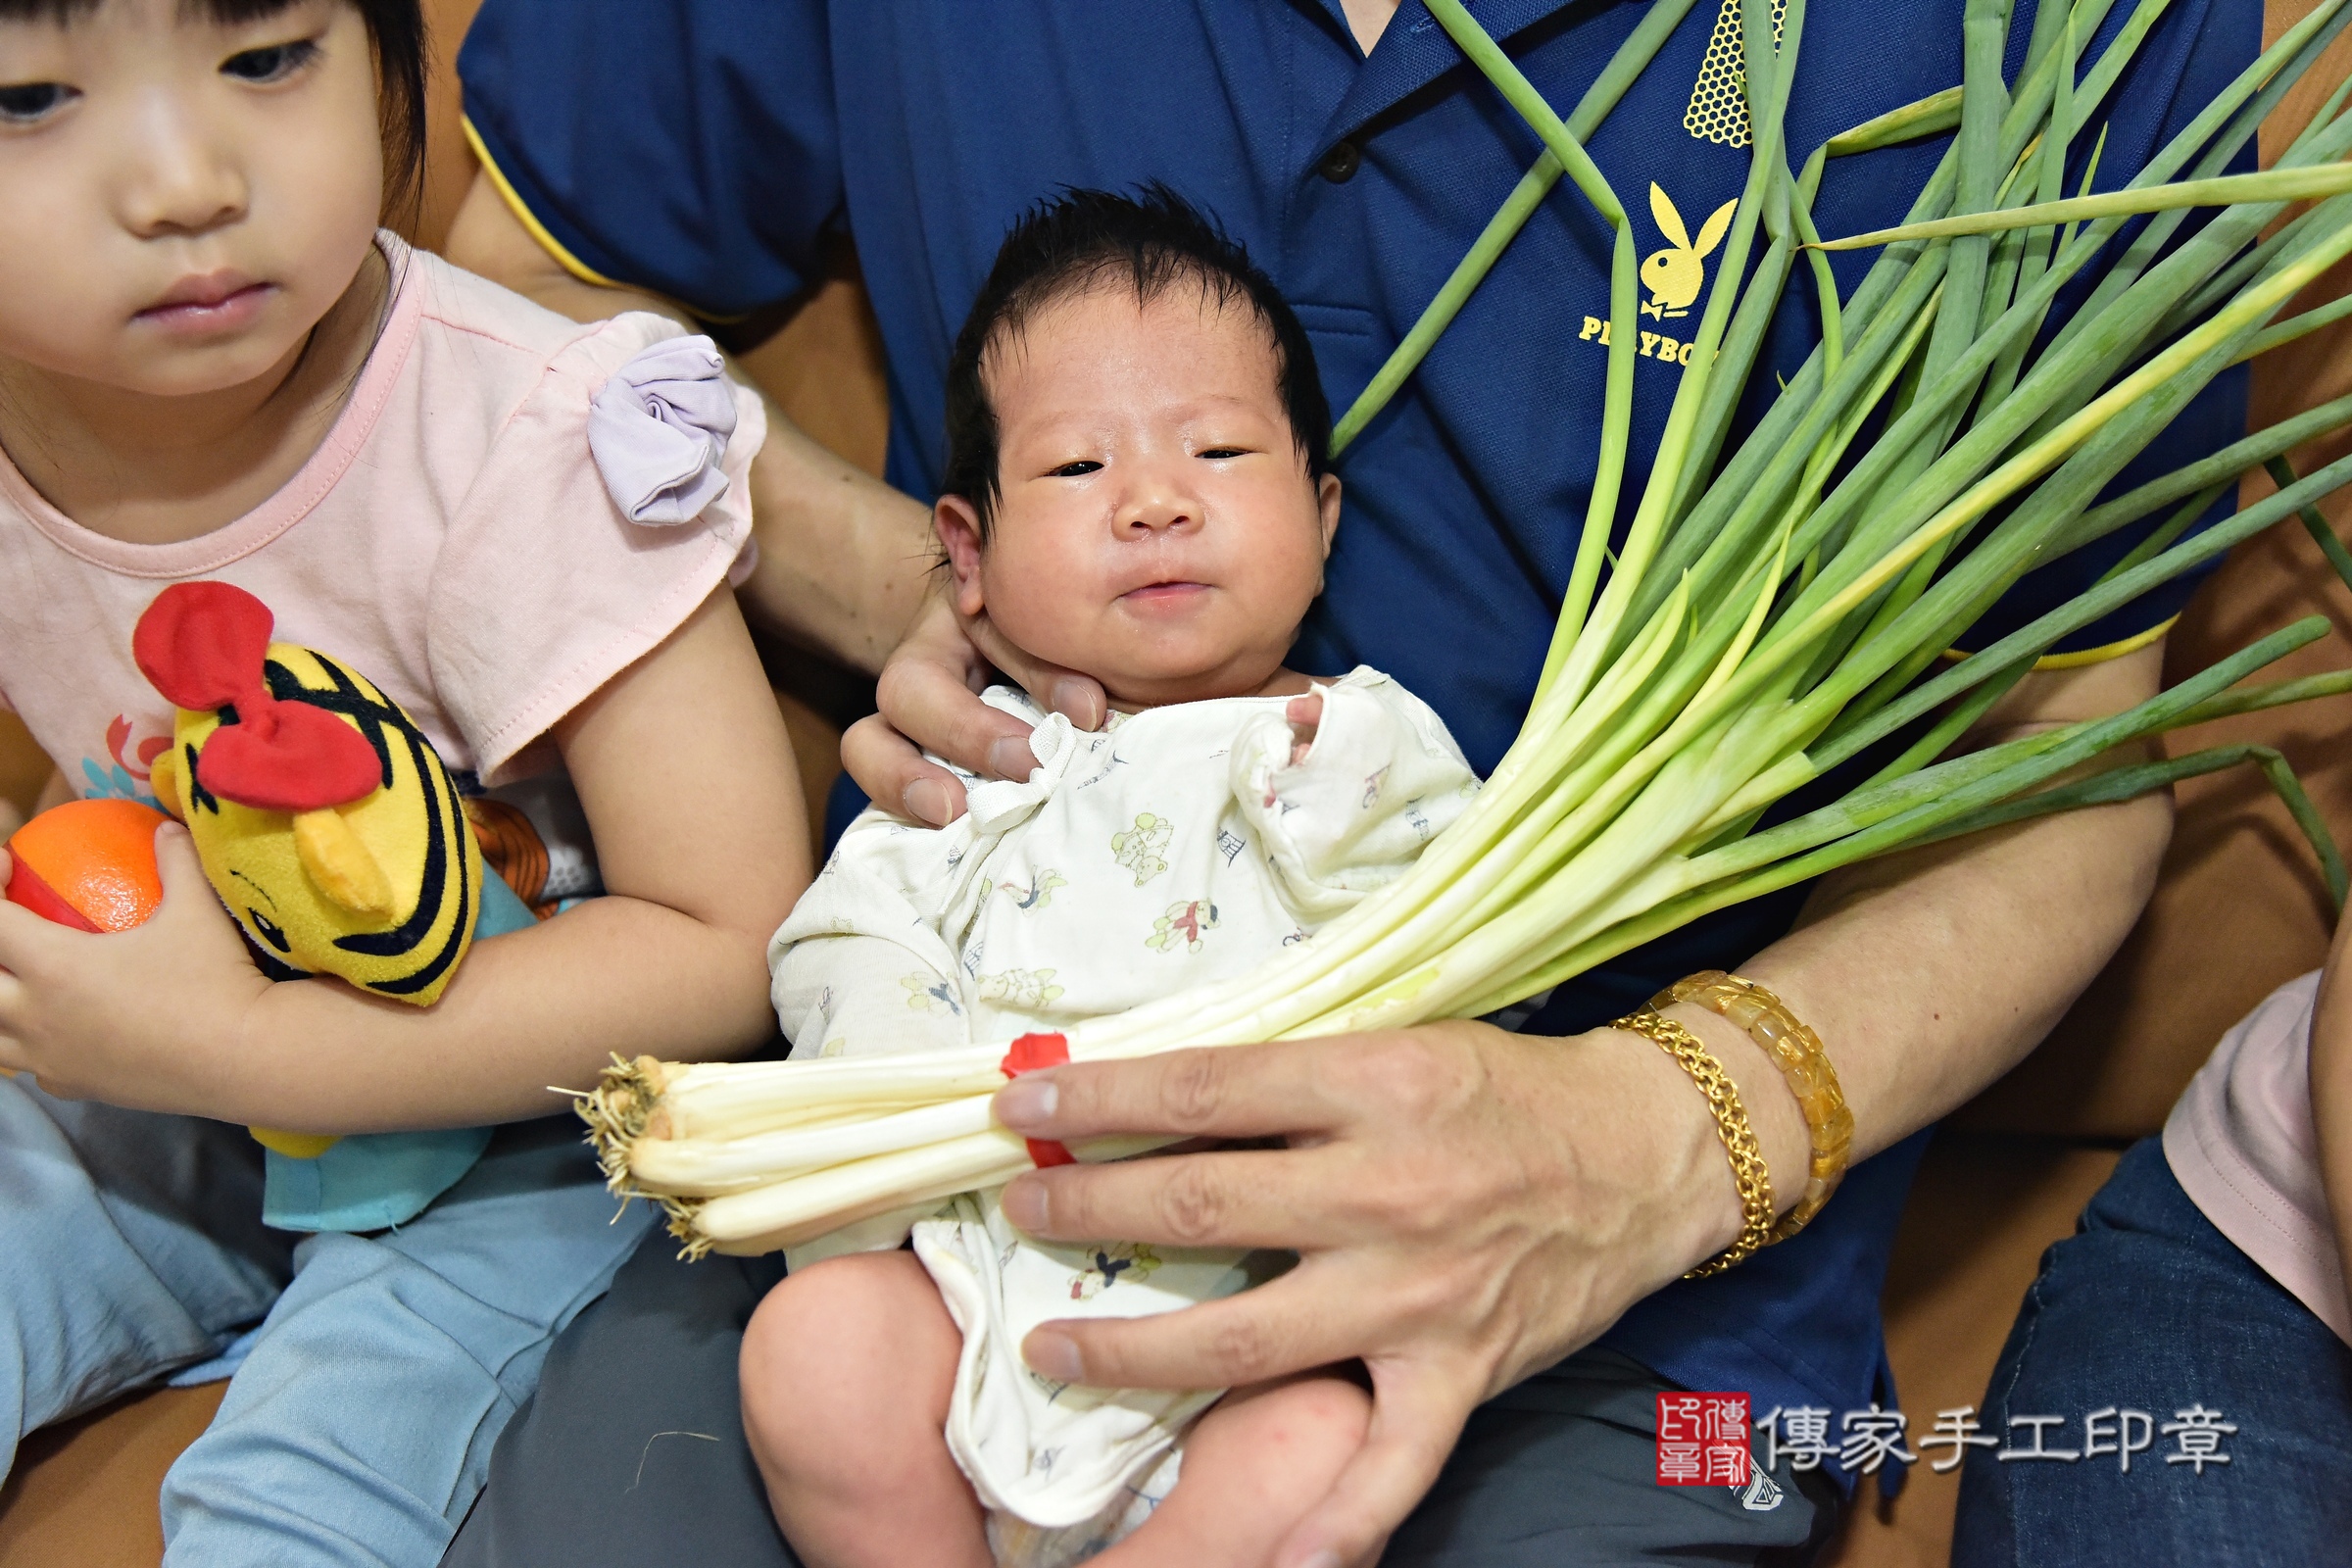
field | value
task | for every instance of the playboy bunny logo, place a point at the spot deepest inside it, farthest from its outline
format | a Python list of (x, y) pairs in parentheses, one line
[(1676, 274)]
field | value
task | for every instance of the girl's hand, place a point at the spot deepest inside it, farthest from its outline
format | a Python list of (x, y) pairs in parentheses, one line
[(929, 694), (114, 1017)]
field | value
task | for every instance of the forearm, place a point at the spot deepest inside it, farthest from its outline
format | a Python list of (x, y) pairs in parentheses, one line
[(843, 557), (1930, 975), (547, 1005)]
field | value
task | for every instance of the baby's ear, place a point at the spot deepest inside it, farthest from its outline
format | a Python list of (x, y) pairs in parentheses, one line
[(956, 522), (1327, 502)]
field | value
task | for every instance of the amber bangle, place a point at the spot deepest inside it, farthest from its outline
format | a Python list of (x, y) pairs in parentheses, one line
[(1798, 1052), (1749, 1170)]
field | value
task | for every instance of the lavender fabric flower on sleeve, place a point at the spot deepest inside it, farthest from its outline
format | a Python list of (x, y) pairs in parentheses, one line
[(659, 428)]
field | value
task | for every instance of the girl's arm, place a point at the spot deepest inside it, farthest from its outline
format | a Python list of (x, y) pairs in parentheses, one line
[(682, 764), (2331, 1087)]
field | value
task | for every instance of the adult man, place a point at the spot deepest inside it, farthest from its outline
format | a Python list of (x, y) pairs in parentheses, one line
[(1472, 1204)]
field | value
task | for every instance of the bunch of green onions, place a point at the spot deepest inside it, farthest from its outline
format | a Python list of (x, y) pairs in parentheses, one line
[(1769, 615)]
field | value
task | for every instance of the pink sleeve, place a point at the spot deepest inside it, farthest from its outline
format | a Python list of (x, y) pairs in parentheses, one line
[(545, 589)]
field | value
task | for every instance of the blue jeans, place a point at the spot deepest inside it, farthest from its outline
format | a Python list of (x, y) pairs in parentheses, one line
[(2148, 1307), (359, 1427)]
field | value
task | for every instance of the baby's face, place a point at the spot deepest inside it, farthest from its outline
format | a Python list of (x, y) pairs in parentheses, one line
[(1158, 529), (185, 200)]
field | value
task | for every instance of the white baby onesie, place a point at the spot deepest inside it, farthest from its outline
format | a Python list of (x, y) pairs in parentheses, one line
[(1176, 847)]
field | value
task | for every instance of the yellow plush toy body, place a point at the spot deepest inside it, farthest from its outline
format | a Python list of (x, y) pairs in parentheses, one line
[(323, 815)]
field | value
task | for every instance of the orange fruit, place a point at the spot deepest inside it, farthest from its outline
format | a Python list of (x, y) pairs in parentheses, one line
[(88, 865)]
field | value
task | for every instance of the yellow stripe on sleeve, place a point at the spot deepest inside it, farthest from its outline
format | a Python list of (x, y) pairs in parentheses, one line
[(532, 225), (556, 248)]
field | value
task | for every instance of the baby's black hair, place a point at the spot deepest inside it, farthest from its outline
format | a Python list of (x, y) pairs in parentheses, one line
[(1151, 241), (396, 32)]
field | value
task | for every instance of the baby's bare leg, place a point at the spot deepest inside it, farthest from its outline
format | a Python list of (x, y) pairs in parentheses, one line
[(847, 1370), (1253, 1467)]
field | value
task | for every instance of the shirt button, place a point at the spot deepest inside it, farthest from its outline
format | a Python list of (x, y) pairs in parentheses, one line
[(1340, 164)]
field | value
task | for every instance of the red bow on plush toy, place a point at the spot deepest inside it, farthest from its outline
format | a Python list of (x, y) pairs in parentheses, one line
[(204, 645)]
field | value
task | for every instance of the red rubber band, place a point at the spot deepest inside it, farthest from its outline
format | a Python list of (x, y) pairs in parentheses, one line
[(1029, 1052)]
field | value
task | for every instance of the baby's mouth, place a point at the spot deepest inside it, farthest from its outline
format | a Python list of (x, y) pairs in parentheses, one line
[(1163, 593)]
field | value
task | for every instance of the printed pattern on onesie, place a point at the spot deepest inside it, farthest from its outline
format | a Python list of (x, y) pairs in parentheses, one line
[(1176, 847)]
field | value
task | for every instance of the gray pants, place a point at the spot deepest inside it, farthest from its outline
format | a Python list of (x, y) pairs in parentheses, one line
[(632, 1452)]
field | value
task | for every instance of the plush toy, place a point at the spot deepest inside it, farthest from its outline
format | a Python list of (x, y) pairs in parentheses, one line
[(89, 865), (323, 815)]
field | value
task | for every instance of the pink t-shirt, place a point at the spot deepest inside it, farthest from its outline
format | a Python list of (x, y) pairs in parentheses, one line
[(450, 539), (2241, 1143)]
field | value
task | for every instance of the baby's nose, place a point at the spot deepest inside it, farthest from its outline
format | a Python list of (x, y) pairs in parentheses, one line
[(1158, 514)]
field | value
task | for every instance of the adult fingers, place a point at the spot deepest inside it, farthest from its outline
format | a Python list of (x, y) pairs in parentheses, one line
[(1418, 1409), (1296, 1322), (890, 769), (928, 695), (927, 701), (1294, 1198), (1260, 1091), (1075, 697)]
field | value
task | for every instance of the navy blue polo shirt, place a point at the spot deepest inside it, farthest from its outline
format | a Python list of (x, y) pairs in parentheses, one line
[(707, 149)]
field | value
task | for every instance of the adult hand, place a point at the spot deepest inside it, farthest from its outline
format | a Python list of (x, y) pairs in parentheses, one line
[(1469, 1206), (929, 697)]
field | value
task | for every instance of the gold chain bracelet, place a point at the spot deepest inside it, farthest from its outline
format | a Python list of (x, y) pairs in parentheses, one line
[(1749, 1171), (1798, 1052)]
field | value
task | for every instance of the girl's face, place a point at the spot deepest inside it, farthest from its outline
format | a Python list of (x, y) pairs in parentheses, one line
[(1158, 529), (184, 198)]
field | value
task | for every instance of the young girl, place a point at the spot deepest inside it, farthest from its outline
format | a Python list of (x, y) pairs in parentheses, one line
[(213, 366), (1137, 492)]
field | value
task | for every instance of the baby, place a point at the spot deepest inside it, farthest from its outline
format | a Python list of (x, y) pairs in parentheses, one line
[(1138, 490)]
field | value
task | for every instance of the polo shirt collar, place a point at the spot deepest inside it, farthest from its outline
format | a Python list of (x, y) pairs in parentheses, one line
[(1413, 52)]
